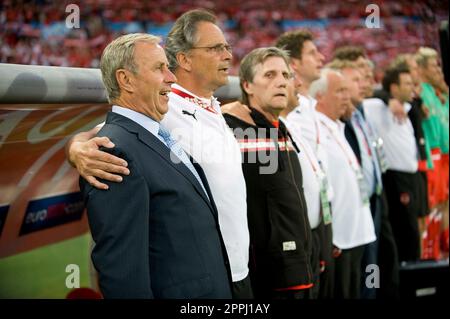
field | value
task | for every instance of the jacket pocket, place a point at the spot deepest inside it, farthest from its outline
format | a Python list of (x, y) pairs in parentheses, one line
[(287, 222)]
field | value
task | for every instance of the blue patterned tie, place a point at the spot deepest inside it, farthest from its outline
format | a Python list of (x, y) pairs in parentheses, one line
[(175, 147), (370, 138)]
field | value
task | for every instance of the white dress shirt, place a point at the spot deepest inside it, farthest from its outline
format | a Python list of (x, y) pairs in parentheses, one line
[(143, 120), (305, 119), (310, 170), (303, 122), (205, 136), (398, 138), (352, 219)]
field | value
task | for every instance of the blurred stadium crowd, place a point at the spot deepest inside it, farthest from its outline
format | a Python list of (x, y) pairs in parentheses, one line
[(34, 32)]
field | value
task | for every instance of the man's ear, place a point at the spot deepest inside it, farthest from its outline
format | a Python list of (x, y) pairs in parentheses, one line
[(319, 96), (394, 89), (124, 80), (247, 86), (294, 64), (184, 61)]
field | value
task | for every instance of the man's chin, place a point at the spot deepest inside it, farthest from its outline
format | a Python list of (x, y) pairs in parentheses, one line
[(224, 80), (279, 108), (221, 82), (163, 109)]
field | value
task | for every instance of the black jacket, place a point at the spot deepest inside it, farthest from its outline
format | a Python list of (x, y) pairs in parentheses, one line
[(280, 234)]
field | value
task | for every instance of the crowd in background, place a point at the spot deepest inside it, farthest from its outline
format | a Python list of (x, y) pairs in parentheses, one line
[(34, 32)]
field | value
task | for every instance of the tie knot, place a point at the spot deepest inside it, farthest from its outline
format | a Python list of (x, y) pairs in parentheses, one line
[(165, 134), (358, 115)]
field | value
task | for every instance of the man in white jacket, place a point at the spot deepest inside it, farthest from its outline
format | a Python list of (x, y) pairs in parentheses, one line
[(200, 57)]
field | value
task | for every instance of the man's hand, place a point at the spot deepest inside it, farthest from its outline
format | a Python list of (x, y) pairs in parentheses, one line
[(92, 163), (426, 111), (336, 252), (397, 109)]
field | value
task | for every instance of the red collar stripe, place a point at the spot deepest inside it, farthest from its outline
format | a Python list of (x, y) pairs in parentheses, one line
[(194, 100)]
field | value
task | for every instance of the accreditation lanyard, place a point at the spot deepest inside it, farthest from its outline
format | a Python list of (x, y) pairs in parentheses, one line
[(323, 187), (365, 139), (378, 150), (377, 144), (353, 162), (197, 101), (381, 155)]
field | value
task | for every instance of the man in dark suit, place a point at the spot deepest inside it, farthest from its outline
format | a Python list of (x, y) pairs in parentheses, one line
[(156, 233)]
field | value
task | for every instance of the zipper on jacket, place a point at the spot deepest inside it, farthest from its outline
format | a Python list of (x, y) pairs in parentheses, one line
[(302, 207)]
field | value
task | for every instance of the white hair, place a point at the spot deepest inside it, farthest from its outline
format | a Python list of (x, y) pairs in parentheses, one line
[(320, 86)]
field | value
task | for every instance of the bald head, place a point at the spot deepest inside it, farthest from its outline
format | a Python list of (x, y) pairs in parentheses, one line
[(332, 93)]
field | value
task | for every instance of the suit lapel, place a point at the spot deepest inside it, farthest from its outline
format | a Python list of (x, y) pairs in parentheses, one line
[(156, 145), (202, 175), (352, 139)]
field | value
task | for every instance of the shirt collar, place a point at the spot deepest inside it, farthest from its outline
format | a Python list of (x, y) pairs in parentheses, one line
[(143, 120), (407, 106), (213, 102), (329, 122), (307, 98)]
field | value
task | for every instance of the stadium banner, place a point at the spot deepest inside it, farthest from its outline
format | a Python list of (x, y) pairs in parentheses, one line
[(40, 203)]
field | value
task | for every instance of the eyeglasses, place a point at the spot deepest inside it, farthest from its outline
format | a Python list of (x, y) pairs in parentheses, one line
[(218, 48)]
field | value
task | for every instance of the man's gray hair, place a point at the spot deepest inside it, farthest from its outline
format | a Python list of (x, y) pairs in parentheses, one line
[(119, 54), (320, 86), (183, 35), (255, 57)]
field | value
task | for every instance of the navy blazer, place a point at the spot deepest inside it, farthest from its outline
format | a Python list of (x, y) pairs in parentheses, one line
[(156, 233)]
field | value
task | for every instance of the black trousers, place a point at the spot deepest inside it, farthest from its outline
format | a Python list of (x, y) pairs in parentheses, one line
[(347, 273), (382, 252), (387, 257), (326, 278), (242, 289), (313, 293), (327, 281), (424, 208), (405, 198), (370, 256)]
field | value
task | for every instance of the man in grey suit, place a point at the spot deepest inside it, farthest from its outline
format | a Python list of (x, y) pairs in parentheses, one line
[(156, 233)]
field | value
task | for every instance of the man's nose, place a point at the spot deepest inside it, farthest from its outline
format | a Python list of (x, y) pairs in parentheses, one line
[(321, 57), (227, 55), (170, 77), (281, 81)]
